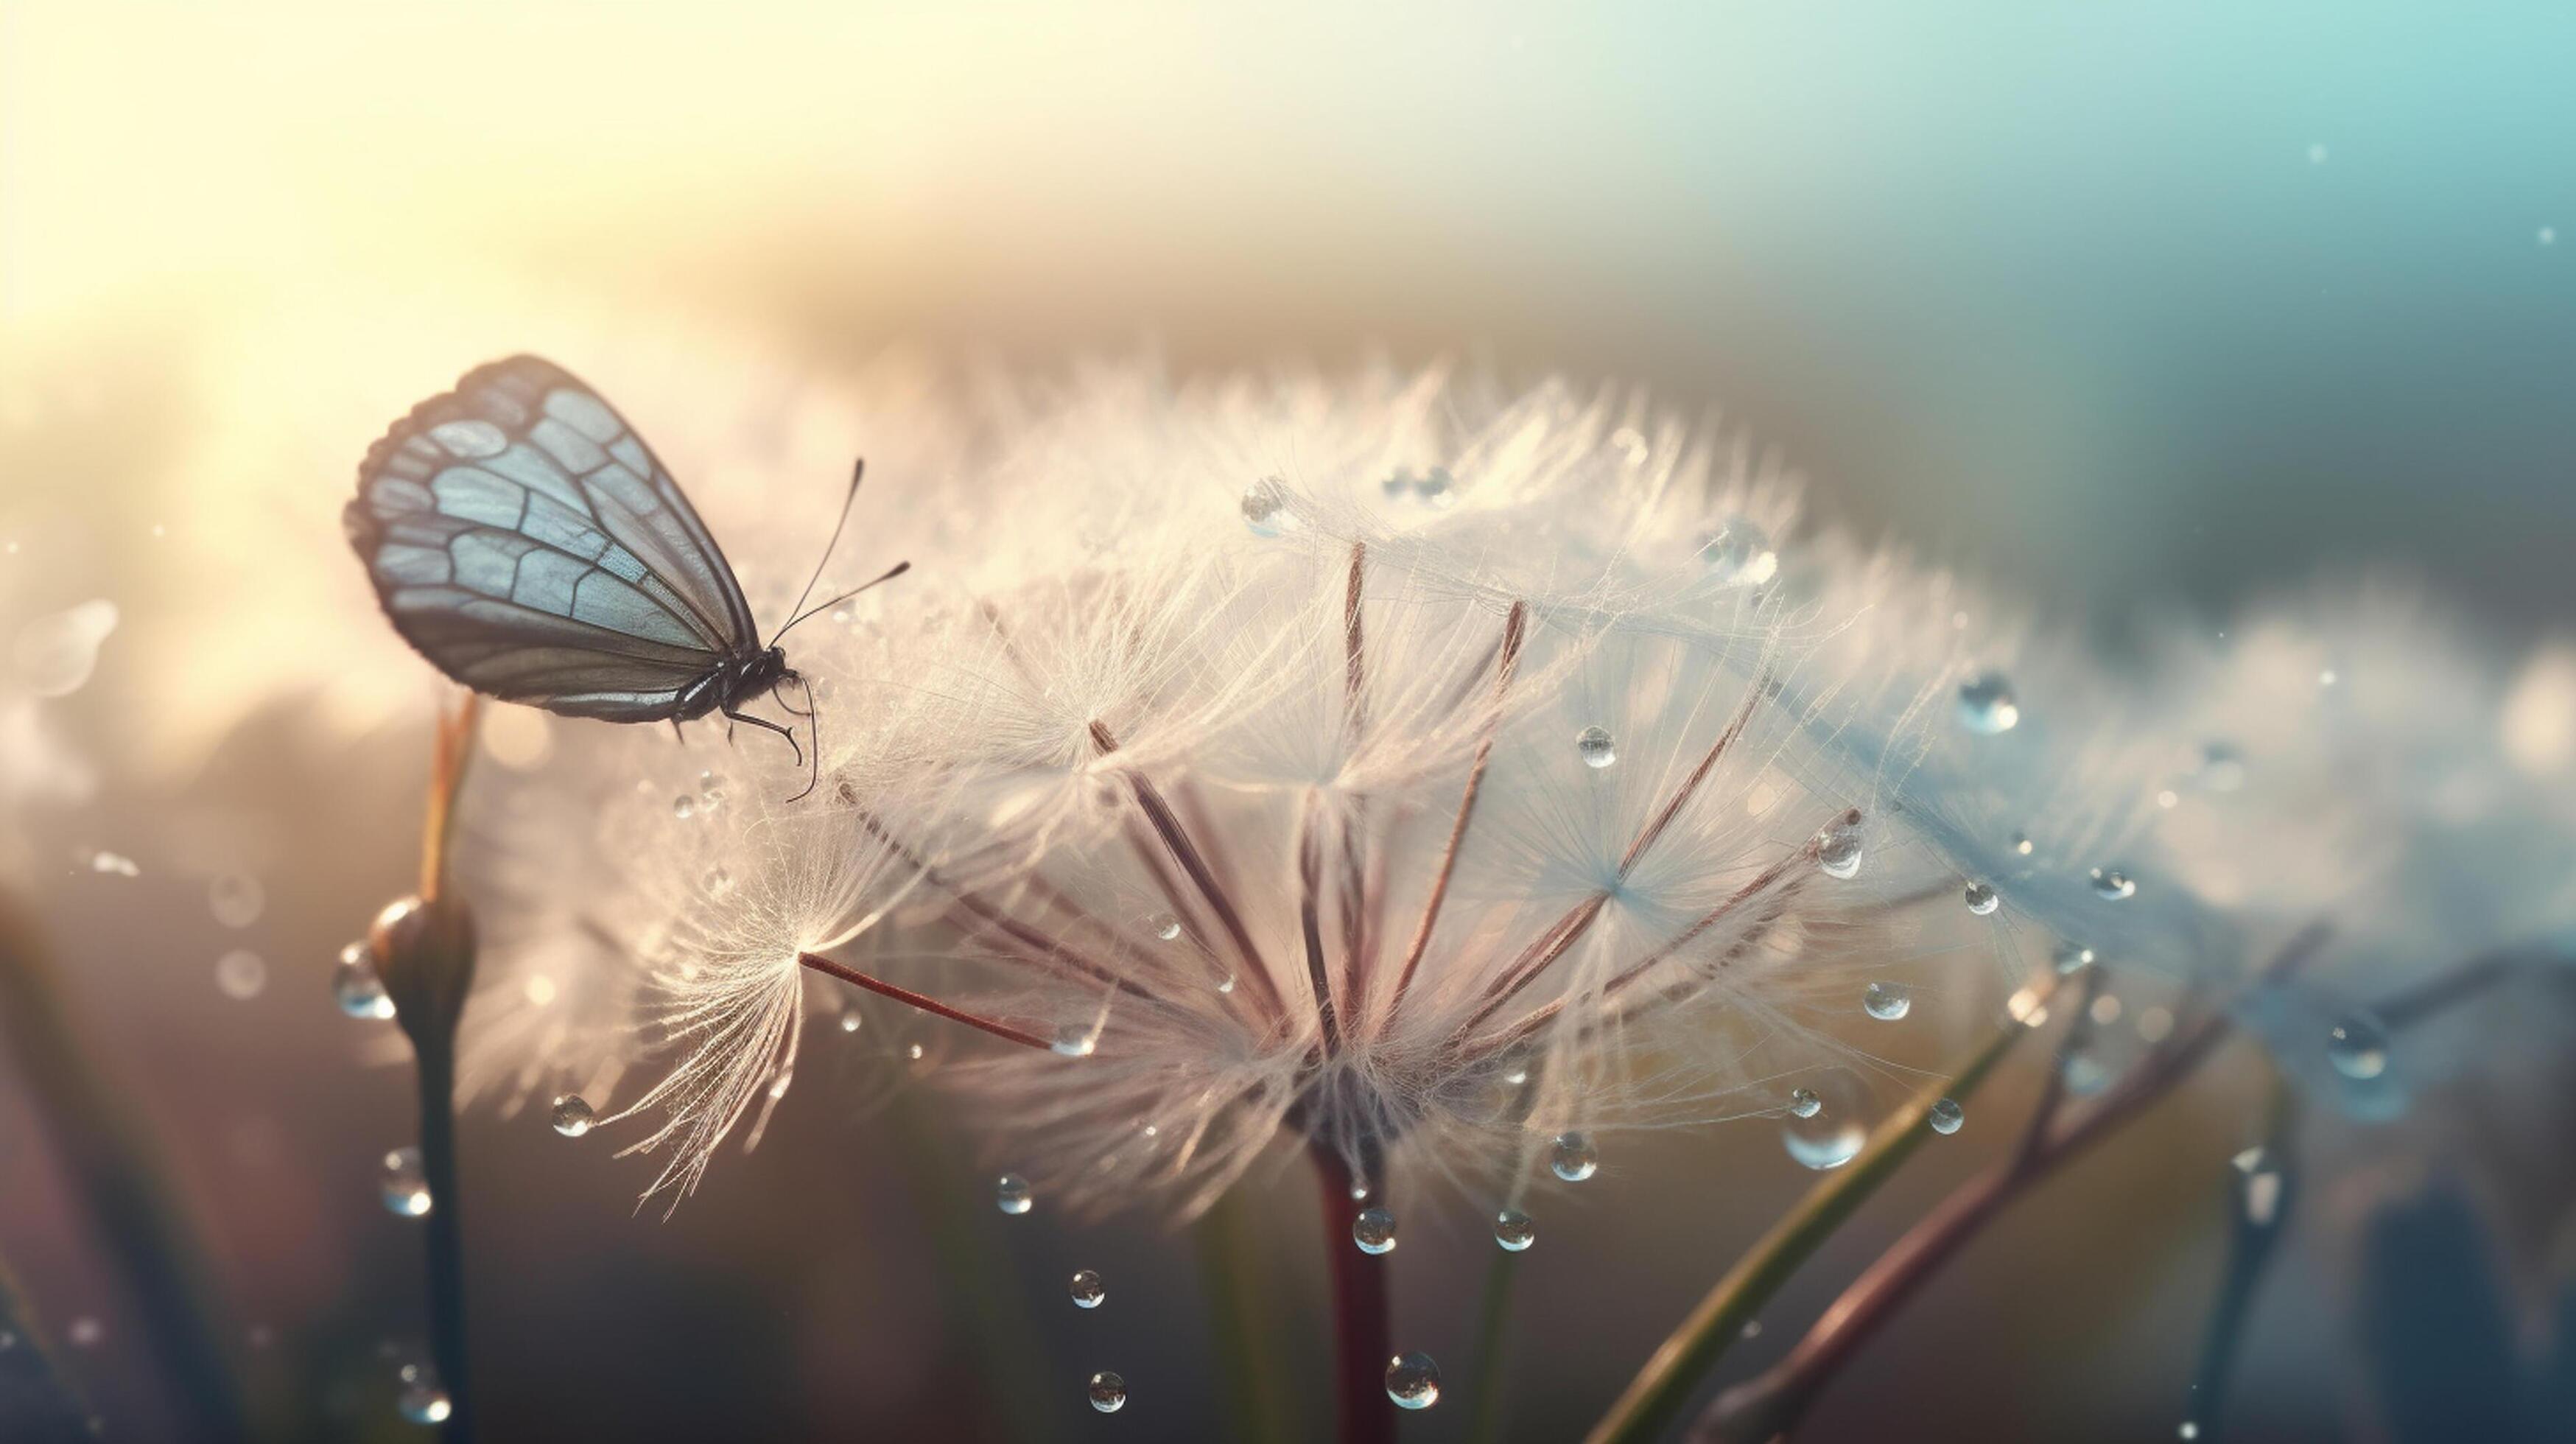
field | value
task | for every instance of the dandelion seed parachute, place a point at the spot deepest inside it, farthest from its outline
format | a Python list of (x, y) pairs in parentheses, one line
[(1383, 761)]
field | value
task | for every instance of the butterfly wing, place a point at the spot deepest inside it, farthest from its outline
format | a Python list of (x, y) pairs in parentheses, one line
[(524, 538)]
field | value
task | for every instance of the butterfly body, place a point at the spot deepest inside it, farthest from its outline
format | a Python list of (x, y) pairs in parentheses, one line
[(526, 541)]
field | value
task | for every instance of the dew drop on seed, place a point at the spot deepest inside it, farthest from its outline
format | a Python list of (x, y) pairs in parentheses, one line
[(1374, 1231), (2021, 844), (684, 807), (913, 1052), (1986, 704), (1594, 746), (1946, 1116), (1820, 1144), (115, 863), (1359, 1191), (850, 1019), (404, 1186), (1804, 1103), (1010, 1191), (236, 899), (1413, 1381), (1738, 554), (1108, 1392), (573, 1115), (2072, 958), (1265, 507), (361, 993), (1573, 1157), (1436, 489), (1087, 1290), (240, 975), (718, 882), (1838, 850), (1165, 925), (1886, 1002), (2358, 1047), (1982, 899), (1514, 1231), (1077, 1040), (2111, 884)]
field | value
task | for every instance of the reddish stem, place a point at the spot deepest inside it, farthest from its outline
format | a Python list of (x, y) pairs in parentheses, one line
[(1361, 1349)]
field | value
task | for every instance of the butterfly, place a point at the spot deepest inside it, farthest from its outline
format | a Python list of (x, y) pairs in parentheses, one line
[(524, 539)]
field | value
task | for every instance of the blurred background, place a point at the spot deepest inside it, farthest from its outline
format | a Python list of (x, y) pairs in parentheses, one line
[(2140, 310)]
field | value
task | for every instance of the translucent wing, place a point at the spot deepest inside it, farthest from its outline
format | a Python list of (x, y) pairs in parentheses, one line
[(523, 537)]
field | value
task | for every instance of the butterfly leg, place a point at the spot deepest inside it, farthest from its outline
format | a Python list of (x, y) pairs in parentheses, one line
[(677, 734), (767, 725)]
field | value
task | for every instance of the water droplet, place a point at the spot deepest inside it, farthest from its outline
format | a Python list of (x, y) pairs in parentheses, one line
[(1594, 746), (573, 1115), (1738, 554), (1265, 507), (1987, 706), (422, 1401), (236, 899), (86, 1333), (1838, 849), (1077, 1040), (1374, 1231), (1108, 1392), (354, 983), (2358, 1047), (913, 1052), (2111, 884), (116, 863), (1573, 1157), (1982, 899), (241, 974), (718, 882), (1821, 1144), (1413, 1381), (1804, 1103), (2021, 843), (1437, 489), (1886, 1002), (851, 1019), (2547, 235), (56, 653), (2072, 958), (2187, 1430), (1359, 1190), (1088, 1290), (1010, 1191), (710, 800), (2261, 1191), (1946, 1116), (1225, 984), (684, 807), (405, 1187), (1166, 926), (1514, 1231), (2084, 1075)]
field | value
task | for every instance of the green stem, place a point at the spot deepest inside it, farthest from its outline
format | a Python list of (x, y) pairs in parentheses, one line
[(997, 1321), (114, 1170), (2255, 1226), (1656, 1396), (37, 1399), (1493, 1327), (1231, 1268)]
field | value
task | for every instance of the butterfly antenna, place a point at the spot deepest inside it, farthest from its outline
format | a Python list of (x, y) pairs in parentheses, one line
[(892, 572), (858, 469)]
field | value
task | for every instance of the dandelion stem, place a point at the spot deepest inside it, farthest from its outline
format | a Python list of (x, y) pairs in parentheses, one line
[(1514, 628), (1664, 1385), (922, 1001), (1360, 1327), (1310, 921), (444, 1231), (1769, 1407), (117, 1179)]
